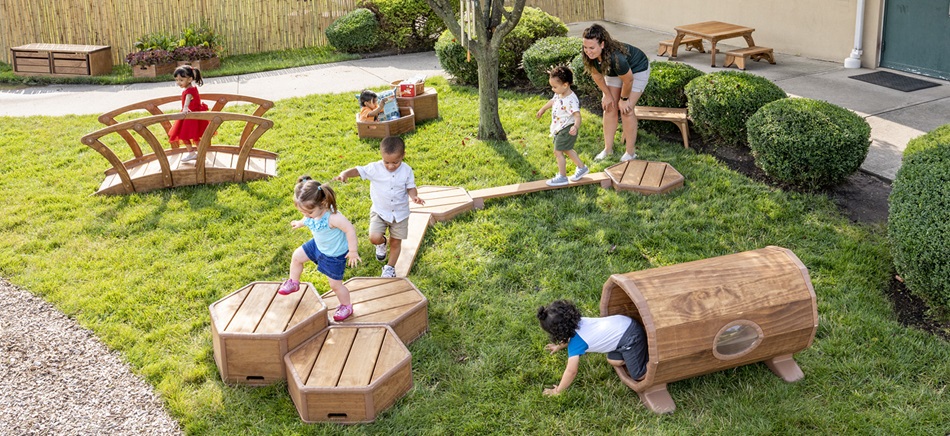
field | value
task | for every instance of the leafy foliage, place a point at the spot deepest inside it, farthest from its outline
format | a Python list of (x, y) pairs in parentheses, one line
[(535, 24), (200, 35), (407, 25), (721, 102), (583, 83), (918, 223), (808, 143), (193, 53), (666, 88), (156, 41), (547, 53), (355, 32), (155, 56)]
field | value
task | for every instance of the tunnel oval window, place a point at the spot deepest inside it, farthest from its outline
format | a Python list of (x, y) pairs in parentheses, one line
[(737, 339)]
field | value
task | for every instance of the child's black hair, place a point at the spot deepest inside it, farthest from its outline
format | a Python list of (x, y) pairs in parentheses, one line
[(189, 71), (562, 73), (309, 193), (366, 96), (560, 319), (392, 145)]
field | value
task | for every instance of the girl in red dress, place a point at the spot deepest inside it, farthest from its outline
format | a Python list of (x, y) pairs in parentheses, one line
[(188, 132)]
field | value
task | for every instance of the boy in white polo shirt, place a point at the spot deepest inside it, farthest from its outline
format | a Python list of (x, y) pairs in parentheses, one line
[(391, 185)]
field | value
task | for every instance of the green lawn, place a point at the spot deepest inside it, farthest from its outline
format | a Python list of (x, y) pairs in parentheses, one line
[(141, 271)]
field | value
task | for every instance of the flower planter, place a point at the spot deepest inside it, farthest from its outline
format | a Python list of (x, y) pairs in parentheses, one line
[(203, 64), (153, 70)]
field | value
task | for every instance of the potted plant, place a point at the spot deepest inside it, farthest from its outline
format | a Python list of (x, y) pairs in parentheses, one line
[(151, 63), (201, 57)]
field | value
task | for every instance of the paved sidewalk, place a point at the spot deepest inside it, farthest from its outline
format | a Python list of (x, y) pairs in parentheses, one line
[(895, 117)]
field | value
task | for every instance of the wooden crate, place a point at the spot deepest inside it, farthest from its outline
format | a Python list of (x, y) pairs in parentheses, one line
[(425, 106), (372, 129), (395, 302), (61, 60), (254, 327), (348, 374), (715, 314)]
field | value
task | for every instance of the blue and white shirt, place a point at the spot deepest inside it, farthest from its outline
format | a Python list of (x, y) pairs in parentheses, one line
[(598, 335)]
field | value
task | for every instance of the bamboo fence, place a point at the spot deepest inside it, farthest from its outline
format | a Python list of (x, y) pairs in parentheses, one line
[(246, 26)]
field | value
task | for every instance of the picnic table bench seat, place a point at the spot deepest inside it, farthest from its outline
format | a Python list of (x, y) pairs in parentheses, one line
[(665, 48), (738, 56), (675, 115)]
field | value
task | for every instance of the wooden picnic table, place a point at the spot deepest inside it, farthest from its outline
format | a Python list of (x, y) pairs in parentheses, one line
[(714, 31)]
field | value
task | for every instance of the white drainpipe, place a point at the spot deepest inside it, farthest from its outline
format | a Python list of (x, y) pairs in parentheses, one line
[(854, 61)]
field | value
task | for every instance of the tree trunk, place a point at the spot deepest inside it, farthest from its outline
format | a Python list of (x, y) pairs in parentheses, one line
[(489, 122)]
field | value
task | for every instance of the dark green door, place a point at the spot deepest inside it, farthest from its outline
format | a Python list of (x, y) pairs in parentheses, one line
[(917, 37)]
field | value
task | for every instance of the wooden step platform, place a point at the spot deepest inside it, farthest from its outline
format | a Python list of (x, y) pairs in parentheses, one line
[(674, 115), (665, 48), (395, 302), (348, 374), (254, 327), (418, 224), (443, 202), (737, 57), (480, 195), (645, 177)]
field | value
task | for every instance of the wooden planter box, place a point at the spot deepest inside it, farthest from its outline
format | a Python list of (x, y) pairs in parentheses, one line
[(348, 374), (153, 70), (714, 314), (254, 327), (61, 60), (395, 302), (425, 106), (203, 64), (405, 123)]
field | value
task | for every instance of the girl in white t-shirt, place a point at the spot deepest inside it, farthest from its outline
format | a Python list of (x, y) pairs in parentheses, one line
[(620, 337)]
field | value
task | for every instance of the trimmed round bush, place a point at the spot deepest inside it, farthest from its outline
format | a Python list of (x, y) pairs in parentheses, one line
[(547, 53), (407, 25), (355, 32), (918, 223), (583, 83), (720, 103), (808, 143), (534, 25), (666, 89)]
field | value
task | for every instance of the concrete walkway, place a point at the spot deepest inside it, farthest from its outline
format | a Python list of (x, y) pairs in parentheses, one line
[(895, 117)]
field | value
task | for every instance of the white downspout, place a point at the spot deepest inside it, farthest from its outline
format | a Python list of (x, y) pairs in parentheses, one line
[(854, 61)]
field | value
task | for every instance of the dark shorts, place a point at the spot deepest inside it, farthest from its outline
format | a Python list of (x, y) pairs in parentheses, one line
[(331, 267), (632, 349), (564, 140)]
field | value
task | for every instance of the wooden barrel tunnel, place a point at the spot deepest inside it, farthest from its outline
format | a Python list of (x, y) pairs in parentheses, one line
[(715, 314)]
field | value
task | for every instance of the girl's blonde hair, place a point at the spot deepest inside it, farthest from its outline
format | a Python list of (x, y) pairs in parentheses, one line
[(309, 193)]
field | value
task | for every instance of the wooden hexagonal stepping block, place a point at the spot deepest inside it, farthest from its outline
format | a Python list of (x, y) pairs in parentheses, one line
[(443, 202), (395, 302), (348, 374), (645, 177), (254, 327)]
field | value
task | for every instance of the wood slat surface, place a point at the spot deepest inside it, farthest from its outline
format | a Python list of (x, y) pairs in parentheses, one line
[(535, 186), (418, 224), (252, 310), (329, 364), (358, 370), (390, 354), (282, 309)]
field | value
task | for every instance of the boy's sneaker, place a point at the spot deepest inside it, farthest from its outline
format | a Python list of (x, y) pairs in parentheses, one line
[(627, 157), (381, 251), (190, 157), (289, 287), (578, 173), (558, 180), (388, 272), (602, 155), (343, 312)]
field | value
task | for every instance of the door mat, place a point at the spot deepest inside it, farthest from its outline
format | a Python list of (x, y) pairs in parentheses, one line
[(895, 81)]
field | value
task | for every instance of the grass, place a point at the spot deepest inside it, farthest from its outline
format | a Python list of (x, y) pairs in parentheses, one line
[(230, 66), (141, 270)]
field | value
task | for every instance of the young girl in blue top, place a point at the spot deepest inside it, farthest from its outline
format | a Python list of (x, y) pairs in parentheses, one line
[(333, 245), (620, 337)]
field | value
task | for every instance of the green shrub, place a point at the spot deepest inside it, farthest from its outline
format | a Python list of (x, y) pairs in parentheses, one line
[(918, 223), (534, 25), (408, 25), (583, 83), (666, 89), (547, 53), (200, 35), (357, 31), (808, 143), (720, 103), (156, 41)]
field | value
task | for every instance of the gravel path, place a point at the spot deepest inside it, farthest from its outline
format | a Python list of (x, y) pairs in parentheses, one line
[(57, 378)]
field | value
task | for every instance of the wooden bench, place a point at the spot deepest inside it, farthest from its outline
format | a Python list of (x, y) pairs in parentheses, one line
[(65, 60), (674, 115), (665, 48), (737, 57), (163, 167)]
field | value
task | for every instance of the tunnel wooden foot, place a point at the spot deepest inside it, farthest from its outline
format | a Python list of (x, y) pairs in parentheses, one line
[(786, 368), (657, 399)]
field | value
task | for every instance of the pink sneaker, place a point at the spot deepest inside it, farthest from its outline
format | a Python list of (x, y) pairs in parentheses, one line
[(289, 287), (343, 312)]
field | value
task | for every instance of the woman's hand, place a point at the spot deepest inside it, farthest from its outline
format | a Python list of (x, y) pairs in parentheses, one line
[(626, 107), (608, 103)]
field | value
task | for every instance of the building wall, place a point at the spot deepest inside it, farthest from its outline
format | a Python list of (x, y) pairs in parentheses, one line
[(817, 29)]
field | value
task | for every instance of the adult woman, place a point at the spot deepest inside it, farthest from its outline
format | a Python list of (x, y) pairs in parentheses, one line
[(621, 71)]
